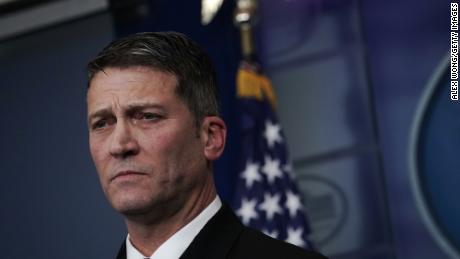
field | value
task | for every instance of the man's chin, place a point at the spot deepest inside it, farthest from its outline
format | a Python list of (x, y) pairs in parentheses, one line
[(145, 211), (143, 214), (129, 207), (135, 205), (131, 210)]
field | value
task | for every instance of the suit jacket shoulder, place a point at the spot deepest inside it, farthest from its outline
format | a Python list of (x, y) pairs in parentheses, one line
[(255, 244), (225, 237)]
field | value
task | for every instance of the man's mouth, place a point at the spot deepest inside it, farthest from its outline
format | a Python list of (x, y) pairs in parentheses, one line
[(126, 174)]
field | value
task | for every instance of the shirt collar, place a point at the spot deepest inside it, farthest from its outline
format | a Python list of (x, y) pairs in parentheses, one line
[(178, 243)]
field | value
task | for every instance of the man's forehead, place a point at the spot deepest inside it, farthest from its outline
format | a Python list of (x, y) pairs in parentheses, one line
[(129, 101), (118, 89), (139, 104), (110, 109)]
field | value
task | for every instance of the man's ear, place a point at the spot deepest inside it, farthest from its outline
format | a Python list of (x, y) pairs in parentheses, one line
[(215, 133)]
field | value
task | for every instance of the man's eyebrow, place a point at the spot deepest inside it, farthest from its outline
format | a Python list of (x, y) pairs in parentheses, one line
[(140, 106), (100, 113)]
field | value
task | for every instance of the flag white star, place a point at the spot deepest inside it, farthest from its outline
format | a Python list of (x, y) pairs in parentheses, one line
[(294, 236), (272, 133), (251, 174), (272, 169), (271, 205), (273, 233), (247, 211), (293, 203)]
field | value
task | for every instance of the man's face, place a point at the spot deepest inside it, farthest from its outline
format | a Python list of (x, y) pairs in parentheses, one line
[(143, 139)]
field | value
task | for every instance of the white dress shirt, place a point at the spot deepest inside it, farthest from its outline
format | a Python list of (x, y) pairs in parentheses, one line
[(177, 243)]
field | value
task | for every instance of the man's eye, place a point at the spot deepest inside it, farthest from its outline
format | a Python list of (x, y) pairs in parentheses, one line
[(149, 116), (103, 123), (99, 124)]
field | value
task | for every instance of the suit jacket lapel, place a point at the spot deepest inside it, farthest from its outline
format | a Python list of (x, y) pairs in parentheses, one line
[(122, 251), (216, 238)]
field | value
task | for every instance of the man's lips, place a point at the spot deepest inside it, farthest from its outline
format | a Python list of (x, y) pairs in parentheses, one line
[(126, 173)]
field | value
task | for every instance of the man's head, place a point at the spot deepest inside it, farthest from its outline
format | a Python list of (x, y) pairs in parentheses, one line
[(170, 52), (153, 124)]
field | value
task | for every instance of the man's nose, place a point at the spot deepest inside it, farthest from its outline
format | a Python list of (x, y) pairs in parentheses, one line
[(124, 143)]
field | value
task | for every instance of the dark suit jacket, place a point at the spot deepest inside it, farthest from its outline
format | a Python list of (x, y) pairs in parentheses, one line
[(225, 237)]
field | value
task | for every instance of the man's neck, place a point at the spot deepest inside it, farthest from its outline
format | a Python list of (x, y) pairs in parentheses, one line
[(147, 235)]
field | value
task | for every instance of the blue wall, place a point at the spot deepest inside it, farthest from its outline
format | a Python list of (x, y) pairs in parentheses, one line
[(406, 41), (51, 202)]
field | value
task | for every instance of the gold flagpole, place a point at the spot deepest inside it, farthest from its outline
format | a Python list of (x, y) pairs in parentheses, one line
[(244, 18)]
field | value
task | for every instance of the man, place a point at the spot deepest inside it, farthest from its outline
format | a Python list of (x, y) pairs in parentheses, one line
[(154, 131)]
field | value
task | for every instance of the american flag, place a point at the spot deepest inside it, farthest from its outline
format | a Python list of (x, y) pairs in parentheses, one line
[(266, 196)]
